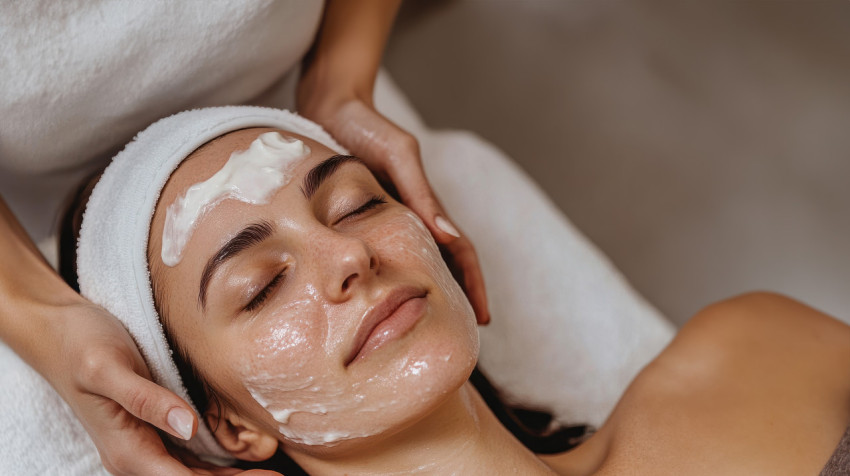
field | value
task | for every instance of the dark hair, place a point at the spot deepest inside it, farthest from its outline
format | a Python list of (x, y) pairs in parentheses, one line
[(533, 428)]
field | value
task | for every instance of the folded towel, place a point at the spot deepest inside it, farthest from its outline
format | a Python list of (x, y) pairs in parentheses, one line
[(41, 435), (112, 251)]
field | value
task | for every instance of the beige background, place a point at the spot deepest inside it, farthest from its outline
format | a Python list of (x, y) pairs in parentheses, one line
[(704, 146)]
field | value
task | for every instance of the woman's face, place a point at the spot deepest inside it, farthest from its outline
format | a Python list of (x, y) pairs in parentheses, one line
[(333, 321)]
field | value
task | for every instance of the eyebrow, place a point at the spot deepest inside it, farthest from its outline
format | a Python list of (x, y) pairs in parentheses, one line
[(250, 236), (318, 174), (254, 234)]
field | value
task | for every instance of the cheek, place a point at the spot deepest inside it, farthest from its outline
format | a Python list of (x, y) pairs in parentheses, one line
[(316, 404), (406, 243), (283, 359), (289, 333)]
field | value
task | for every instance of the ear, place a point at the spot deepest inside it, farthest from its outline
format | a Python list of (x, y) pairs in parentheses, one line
[(242, 438)]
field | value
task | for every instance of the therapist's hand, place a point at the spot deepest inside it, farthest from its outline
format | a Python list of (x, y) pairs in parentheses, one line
[(335, 90), (103, 378), (393, 154), (89, 358)]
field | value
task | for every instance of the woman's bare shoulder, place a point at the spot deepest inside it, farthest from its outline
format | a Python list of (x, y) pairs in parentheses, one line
[(757, 383), (766, 319), (762, 331)]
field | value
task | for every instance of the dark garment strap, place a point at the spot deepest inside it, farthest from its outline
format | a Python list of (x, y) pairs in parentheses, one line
[(839, 463)]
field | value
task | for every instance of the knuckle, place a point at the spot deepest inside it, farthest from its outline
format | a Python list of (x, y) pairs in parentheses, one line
[(138, 402), (118, 463), (410, 142), (93, 368), (407, 145)]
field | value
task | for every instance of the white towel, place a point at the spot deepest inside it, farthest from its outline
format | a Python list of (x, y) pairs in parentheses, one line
[(41, 435), (112, 251)]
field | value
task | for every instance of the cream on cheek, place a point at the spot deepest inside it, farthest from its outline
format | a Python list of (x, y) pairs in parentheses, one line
[(251, 176), (297, 375)]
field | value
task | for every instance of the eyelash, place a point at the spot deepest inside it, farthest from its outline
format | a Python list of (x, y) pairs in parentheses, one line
[(264, 293), (374, 202), (261, 296)]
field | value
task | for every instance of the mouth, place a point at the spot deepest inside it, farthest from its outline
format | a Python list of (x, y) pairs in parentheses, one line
[(392, 317)]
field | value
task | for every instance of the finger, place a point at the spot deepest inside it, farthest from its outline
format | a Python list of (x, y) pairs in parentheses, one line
[(145, 400), (423, 202), (407, 175), (216, 471), (197, 465), (409, 178), (466, 261), (394, 153), (134, 448)]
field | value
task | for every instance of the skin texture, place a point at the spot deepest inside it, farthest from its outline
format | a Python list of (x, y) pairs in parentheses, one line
[(752, 385), (336, 91), (756, 384), (291, 352)]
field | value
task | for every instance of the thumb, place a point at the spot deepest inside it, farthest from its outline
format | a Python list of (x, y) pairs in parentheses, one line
[(394, 153), (408, 177), (416, 193), (149, 402)]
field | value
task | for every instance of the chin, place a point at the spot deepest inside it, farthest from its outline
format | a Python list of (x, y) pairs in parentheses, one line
[(400, 385)]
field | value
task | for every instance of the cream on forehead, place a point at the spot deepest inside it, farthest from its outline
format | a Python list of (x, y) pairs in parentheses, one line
[(250, 176)]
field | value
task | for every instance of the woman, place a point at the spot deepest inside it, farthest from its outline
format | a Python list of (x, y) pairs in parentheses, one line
[(323, 323), (106, 69)]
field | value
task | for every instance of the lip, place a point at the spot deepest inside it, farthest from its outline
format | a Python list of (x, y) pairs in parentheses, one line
[(387, 320)]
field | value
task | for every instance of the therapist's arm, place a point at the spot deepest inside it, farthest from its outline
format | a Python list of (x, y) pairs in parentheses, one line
[(89, 358), (336, 91)]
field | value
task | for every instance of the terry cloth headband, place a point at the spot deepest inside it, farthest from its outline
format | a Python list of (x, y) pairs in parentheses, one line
[(112, 263)]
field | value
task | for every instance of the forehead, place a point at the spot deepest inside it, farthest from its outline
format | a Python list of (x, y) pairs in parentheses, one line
[(208, 159)]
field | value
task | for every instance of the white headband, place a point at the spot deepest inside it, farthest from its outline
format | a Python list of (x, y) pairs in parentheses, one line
[(112, 263)]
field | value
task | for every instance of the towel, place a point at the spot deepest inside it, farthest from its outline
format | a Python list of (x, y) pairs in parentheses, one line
[(112, 250), (41, 434)]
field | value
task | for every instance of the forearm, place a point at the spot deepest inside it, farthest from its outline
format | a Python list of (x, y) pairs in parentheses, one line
[(30, 292), (349, 48)]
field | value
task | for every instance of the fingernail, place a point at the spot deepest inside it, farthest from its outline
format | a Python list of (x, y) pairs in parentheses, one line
[(181, 421), (446, 226)]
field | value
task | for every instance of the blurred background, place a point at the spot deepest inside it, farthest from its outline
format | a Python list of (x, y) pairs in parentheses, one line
[(703, 146)]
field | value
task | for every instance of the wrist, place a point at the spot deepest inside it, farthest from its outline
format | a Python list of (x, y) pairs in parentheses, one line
[(35, 310), (323, 89)]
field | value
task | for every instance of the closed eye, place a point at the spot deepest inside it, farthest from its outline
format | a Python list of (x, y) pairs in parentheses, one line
[(372, 203), (261, 297), (264, 293)]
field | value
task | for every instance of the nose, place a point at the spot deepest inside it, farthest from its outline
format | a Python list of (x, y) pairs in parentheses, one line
[(349, 262)]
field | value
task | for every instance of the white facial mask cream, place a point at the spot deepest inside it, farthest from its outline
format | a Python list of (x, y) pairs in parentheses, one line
[(251, 176), (316, 404)]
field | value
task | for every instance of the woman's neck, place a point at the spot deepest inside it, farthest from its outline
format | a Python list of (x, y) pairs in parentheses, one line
[(462, 436)]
